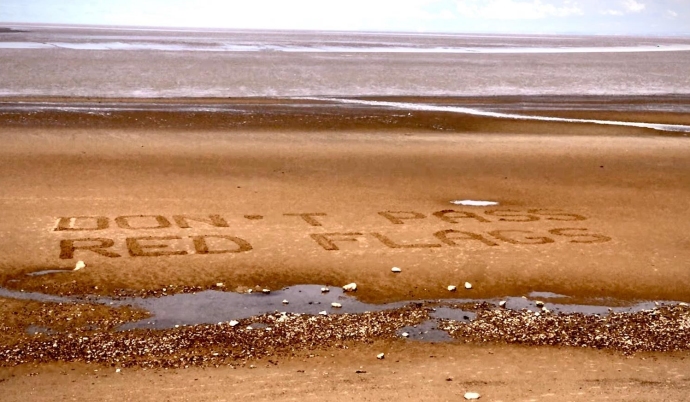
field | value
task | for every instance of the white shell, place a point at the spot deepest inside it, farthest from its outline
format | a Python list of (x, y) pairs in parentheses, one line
[(80, 265), (452, 288), (323, 313), (405, 334), (325, 290), (249, 328), (220, 284), (336, 305), (471, 395), (539, 303), (502, 303), (468, 285), (380, 356), (350, 287), (396, 270), (286, 302), (266, 291), (233, 323)]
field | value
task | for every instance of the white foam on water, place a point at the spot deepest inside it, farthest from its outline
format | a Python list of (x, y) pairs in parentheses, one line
[(229, 47), (485, 113), (474, 203)]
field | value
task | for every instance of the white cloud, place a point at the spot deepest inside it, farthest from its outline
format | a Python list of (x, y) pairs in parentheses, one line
[(627, 7), (612, 12), (632, 6), (516, 9)]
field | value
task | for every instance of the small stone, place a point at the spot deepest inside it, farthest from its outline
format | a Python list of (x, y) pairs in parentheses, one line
[(380, 356), (545, 310), (471, 395), (360, 371), (350, 287), (323, 313), (233, 323), (396, 270), (80, 265), (286, 302), (249, 291), (468, 285), (502, 303), (249, 328), (336, 305), (117, 370), (266, 291), (325, 290), (451, 288), (220, 284), (539, 303), (405, 335), (683, 304)]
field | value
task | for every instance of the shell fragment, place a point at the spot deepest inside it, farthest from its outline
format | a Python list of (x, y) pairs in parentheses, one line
[(350, 287)]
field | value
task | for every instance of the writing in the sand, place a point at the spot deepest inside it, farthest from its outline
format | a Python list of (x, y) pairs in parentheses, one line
[(94, 232)]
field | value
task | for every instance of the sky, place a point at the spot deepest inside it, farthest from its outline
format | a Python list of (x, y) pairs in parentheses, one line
[(660, 17)]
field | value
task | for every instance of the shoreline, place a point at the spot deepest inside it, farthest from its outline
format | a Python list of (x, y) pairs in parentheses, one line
[(518, 114)]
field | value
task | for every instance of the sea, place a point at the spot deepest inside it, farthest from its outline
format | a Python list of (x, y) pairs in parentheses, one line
[(79, 61), (350, 68)]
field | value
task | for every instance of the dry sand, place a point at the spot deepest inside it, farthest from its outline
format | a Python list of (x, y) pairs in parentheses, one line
[(589, 212)]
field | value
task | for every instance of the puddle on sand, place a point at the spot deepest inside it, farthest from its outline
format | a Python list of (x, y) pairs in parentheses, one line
[(212, 307), (427, 331)]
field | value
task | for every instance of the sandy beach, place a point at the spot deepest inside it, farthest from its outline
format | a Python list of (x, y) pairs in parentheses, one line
[(279, 195), (180, 210)]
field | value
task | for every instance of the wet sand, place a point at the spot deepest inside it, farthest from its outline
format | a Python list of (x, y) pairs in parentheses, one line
[(595, 213), (410, 372)]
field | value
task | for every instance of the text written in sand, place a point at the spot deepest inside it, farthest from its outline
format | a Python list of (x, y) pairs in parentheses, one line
[(95, 234)]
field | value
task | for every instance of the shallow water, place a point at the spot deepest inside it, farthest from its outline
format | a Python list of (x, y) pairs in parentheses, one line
[(183, 63), (211, 306)]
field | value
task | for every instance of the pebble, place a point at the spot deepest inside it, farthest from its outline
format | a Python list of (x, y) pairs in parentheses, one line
[(350, 287), (266, 291), (233, 323), (396, 270), (380, 356), (451, 288), (323, 313), (286, 302), (80, 265), (336, 305), (220, 284), (539, 303), (325, 290), (468, 285), (405, 335), (502, 303), (471, 395)]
